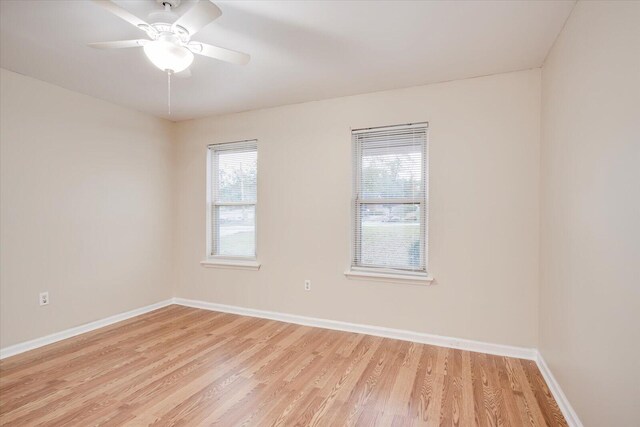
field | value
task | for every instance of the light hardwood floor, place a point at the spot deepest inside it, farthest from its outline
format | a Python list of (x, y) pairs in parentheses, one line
[(185, 366)]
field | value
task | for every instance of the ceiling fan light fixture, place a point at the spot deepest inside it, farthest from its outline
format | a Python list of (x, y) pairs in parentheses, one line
[(168, 56)]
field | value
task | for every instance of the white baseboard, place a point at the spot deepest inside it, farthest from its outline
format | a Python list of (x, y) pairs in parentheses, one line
[(399, 334), (567, 410), (12, 350)]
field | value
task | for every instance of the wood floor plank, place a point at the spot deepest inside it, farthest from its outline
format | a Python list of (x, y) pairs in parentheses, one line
[(550, 411), (452, 396), (531, 408), (468, 414), (186, 366)]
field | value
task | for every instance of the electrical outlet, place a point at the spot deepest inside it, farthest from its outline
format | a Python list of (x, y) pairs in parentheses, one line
[(44, 298), (307, 285)]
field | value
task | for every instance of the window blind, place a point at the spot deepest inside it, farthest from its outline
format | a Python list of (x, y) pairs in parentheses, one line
[(233, 199), (390, 198)]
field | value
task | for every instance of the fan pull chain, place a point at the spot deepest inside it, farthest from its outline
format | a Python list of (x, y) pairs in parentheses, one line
[(169, 91)]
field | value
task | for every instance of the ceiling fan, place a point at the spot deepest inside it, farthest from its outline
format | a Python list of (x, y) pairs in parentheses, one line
[(169, 46)]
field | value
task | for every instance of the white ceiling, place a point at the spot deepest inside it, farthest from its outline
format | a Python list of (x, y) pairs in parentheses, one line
[(301, 51)]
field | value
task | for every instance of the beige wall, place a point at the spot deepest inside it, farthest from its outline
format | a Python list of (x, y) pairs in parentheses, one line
[(484, 155), (88, 213), (86, 209), (590, 245)]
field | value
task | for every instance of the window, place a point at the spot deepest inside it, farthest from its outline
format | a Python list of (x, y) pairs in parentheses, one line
[(232, 198), (390, 200)]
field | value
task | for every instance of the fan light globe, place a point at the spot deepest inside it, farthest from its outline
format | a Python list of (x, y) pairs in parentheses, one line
[(168, 56)]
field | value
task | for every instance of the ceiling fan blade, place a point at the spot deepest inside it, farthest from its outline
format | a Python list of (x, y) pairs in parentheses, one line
[(219, 53), (123, 14), (118, 44), (198, 16)]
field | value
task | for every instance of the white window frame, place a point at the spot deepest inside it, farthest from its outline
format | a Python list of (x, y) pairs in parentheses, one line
[(213, 259), (372, 272)]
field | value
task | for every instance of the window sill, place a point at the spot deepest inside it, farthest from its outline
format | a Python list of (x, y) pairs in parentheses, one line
[(231, 263), (412, 279)]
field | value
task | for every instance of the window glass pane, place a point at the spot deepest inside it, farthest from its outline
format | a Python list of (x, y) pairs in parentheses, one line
[(390, 235), (236, 230), (391, 171), (236, 176)]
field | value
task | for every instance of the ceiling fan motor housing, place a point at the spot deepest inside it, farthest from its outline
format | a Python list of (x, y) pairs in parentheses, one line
[(165, 29)]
